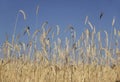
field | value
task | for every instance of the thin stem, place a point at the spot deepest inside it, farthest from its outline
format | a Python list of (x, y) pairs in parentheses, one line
[(14, 29)]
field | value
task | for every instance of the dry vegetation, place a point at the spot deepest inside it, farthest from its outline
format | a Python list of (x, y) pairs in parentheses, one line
[(87, 59)]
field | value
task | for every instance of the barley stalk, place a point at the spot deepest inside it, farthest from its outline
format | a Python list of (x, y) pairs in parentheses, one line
[(37, 9)]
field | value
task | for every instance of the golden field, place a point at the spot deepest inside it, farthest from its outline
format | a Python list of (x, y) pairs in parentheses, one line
[(19, 71), (46, 57)]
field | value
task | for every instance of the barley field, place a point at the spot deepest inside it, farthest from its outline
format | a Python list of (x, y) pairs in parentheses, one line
[(48, 58)]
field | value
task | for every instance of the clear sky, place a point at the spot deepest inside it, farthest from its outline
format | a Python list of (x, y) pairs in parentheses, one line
[(57, 12)]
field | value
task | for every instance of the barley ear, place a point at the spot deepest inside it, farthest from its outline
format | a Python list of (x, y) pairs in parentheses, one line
[(106, 38), (58, 29), (23, 13), (119, 33), (113, 22), (115, 32), (86, 20), (90, 24), (37, 9)]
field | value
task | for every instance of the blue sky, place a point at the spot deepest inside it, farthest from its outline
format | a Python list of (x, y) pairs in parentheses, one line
[(57, 12)]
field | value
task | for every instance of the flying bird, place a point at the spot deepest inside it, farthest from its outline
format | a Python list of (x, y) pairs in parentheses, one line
[(101, 15), (27, 30)]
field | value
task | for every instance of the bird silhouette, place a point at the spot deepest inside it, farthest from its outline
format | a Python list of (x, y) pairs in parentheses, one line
[(27, 30), (101, 15)]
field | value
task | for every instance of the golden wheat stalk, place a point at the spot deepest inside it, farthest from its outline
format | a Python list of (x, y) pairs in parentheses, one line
[(106, 38), (35, 33)]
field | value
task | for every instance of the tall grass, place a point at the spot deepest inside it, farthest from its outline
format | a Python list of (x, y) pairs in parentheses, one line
[(87, 59)]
